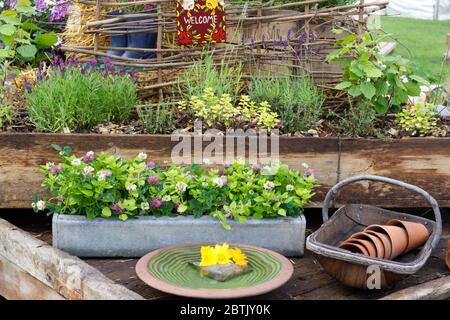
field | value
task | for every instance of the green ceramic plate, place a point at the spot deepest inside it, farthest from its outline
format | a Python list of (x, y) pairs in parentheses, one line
[(167, 270)]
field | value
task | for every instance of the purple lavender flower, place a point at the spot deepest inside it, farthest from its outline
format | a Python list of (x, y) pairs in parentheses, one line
[(153, 180), (151, 164), (41, 5), (60, 10), (55, 169), (26, 84), (156, 203)]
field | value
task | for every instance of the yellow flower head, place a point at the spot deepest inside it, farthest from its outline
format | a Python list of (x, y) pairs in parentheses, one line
[(238, 257), (222, 254), (208, 256), (212, 4)]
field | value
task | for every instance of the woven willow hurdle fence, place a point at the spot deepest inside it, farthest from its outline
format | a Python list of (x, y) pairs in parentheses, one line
[(262, 36)]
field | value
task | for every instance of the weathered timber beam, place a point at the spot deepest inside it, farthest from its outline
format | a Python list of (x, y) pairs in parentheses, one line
[(68, 276)]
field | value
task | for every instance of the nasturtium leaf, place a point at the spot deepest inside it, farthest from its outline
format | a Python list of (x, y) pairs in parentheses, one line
[(8, 40), (381, 105), (282, 212), (354, 91), (27, 51), (7, 30), (420, 80), (413, 88), (367, 89), (123, 217), (343, 85), (29, 26), (45, 40), (10, 19)]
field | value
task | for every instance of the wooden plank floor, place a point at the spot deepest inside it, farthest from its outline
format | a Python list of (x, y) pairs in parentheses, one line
[(308, 282)]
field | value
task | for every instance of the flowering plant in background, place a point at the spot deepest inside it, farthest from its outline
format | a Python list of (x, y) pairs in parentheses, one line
[(52, 14), (22, 39), (104, 185)]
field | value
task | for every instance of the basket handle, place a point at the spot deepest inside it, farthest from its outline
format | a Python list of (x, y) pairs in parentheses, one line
[(426, 195)]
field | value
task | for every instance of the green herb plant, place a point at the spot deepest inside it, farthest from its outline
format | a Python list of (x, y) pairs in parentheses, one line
[(418, 120), (205, 74), (6, 115), (76, 100), (216, 111), (384, 82), (297, 100), (158, 118)]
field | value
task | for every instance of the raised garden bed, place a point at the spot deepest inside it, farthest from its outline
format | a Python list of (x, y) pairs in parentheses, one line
[(420, 161)]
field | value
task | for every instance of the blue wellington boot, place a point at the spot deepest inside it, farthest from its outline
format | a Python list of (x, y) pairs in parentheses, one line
[(144, 40), (117, 40)]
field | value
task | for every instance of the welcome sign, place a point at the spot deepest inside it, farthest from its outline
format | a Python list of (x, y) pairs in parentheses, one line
[(200, 22)]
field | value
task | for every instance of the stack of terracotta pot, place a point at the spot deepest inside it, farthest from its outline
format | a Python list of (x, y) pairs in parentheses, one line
[(387, 241)]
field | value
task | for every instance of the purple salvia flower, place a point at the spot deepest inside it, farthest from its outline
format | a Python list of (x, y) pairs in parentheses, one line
[(41, 5), (156, 203), (256, 167), (60, 10), (151, 164), (153, 180)]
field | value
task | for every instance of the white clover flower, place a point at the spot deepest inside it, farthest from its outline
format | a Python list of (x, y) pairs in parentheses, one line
[(289, 187), (90, 154), (142, 156), (269, 185), (204, 184), (181, 186), (166, 198), (40, 205), (206, 161), (218, 182), (101, 176), (305, 165), (88, 170), (76, 162), (130, 187), (145, 206), (48, 165)]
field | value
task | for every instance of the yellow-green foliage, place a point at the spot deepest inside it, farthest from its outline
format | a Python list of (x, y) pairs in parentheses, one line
[(418, 120), (214, 110)]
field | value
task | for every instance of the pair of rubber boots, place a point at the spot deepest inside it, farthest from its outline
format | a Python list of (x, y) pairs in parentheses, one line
[(143, 40)]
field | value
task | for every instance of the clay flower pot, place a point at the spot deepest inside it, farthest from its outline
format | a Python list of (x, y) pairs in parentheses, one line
[(354, 247), (385, 240), (397, 235), (367, 244), (417, 233), (447, 258), (379, 245)]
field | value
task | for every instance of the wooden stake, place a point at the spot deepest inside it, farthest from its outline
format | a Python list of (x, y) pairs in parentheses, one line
[(97, 17), (158, 46)]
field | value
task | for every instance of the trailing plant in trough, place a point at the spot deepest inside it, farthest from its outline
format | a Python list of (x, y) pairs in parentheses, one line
[(418, 120), (106, 186)]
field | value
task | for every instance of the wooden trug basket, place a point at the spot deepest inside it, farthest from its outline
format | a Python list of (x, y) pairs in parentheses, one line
[(356, 270)]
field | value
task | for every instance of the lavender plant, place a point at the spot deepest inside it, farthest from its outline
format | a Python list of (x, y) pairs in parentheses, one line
[(69, 98)]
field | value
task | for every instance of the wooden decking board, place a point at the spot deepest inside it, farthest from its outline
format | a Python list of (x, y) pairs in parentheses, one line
[(309, 281)]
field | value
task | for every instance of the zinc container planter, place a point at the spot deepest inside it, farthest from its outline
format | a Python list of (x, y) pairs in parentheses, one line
[(135, 237)]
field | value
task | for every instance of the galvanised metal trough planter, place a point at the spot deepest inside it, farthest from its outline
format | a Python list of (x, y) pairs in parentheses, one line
[(135, 237)]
